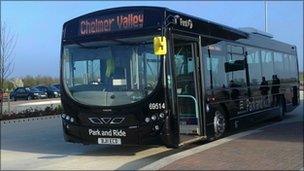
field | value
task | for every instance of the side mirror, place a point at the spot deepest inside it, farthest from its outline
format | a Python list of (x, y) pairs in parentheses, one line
[(160, 45)]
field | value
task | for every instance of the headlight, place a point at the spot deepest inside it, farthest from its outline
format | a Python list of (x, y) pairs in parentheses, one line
[(156, 127), (55, 92), (68, 118), (147, 120), (161, 115), (153, 117)]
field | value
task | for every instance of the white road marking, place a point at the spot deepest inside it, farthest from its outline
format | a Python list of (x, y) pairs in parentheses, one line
[(170, 159)]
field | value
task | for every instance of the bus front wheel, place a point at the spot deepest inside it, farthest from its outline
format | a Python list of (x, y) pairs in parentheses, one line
[(219, 123)]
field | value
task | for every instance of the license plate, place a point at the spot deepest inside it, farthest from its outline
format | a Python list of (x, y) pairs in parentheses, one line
[(111, 141)]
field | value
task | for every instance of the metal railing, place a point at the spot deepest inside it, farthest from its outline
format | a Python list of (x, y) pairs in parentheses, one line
[(195, 102)]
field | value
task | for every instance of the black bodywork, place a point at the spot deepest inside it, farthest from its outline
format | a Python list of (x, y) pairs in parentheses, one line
[(157, 21)]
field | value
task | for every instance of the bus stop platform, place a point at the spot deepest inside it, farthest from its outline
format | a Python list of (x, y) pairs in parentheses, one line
[(275, 147)]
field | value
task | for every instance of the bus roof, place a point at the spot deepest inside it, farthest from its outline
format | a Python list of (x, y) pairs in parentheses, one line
[(158, 16)]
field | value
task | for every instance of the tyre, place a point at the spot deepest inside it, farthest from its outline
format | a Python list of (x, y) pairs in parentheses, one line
[(29, 98), (219, 123)]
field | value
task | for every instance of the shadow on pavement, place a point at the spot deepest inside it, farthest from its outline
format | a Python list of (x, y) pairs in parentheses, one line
[(282, 131), (285, 132), (137, 164), (63, 149), (45, 137)]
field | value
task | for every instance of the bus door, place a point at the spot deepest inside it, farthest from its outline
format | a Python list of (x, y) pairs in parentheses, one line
[(187, 88)]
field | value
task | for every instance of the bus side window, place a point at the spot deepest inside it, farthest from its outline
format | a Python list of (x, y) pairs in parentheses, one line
[(214, 60), (286, 68), (254, 66), (267, 64), (293, 68), (207, 68), (235, 59), (278, 65)]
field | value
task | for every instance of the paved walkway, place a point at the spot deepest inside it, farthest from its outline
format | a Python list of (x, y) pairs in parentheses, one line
[(278, 147)]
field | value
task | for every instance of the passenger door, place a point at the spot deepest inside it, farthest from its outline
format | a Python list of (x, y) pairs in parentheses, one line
[(187, 88)]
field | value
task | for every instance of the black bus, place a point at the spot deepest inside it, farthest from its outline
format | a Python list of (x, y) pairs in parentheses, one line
[(151, 75)]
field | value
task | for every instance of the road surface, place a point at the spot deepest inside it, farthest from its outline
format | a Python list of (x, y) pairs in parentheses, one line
[(38, 144)]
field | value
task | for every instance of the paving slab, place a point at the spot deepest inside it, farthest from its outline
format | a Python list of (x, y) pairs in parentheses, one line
[(279, 147)]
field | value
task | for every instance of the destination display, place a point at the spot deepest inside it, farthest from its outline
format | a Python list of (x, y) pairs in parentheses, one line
[(111, 23)]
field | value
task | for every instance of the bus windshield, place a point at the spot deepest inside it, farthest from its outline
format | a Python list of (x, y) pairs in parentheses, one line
[(110, 73)]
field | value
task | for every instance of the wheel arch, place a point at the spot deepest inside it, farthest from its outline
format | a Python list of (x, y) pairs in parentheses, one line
[(225, 109)]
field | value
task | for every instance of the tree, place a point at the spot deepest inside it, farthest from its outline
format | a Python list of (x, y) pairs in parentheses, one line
[(17, 82), (29, 81), (7, 44)]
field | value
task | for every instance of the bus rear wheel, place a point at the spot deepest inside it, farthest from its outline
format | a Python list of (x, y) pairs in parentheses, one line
[(219, 123)]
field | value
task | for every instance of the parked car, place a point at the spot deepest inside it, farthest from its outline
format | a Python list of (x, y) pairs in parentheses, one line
[(55, 90), (57, 86), (51, 91), (27, 93)]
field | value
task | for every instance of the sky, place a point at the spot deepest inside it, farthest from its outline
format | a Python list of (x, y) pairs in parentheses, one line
[(38, 24)]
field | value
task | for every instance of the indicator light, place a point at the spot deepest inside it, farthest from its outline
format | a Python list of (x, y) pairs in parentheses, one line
[(156, 127), (161, 115), (63, 115), (72, 119)]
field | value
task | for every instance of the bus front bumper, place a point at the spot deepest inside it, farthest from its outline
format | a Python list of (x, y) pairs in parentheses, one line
[(111, 136)]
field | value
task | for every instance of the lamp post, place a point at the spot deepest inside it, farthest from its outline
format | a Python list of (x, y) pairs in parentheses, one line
[(266, 29)]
